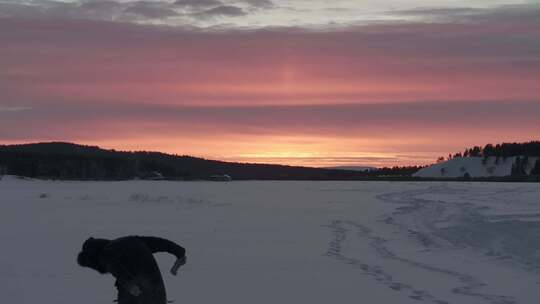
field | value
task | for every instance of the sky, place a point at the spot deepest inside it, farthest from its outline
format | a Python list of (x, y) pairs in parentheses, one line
[(300, 82)]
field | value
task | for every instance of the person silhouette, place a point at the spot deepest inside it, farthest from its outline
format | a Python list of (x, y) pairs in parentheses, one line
[(130, 260)]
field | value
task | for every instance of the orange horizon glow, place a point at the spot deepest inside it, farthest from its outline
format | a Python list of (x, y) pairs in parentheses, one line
[(300, 150)]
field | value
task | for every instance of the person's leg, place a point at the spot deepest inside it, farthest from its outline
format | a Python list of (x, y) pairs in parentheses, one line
[(149, 293), (124, 297), (152, 292)]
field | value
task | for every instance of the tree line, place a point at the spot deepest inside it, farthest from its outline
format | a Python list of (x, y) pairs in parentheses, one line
[(70, 161), (522, 151), (529, 149)]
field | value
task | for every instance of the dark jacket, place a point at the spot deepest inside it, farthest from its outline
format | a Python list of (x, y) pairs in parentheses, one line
[(130, 260)]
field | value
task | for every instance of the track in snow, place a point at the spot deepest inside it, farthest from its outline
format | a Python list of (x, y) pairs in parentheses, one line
[(434, 225)]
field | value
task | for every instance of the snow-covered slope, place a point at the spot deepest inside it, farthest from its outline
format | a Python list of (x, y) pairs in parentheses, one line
[(474, 166)]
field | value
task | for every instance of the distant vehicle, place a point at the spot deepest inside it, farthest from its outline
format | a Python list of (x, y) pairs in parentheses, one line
[(155, 175), (221, 178)]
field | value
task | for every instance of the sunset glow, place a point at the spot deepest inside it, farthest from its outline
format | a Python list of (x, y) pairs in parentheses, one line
[(394, 87)]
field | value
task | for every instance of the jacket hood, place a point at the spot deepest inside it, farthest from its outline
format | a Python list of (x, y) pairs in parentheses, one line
[(89, 255)]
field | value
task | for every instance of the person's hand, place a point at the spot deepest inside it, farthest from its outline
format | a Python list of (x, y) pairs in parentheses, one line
[(135, 291), (177, 264)]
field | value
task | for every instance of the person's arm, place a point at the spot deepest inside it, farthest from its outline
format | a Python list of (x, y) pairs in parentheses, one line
[(156, 244)]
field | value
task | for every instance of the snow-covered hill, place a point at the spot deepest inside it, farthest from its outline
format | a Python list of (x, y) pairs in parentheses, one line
[(474, 166)]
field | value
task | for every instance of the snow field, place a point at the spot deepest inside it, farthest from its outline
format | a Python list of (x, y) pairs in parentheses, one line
[(280, 242)]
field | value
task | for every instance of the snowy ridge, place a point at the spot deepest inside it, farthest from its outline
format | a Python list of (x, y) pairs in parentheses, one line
[(474, 166)]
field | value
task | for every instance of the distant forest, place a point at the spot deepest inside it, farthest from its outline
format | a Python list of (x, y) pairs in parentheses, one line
[(58, 160), (531, 148), (522, 151)]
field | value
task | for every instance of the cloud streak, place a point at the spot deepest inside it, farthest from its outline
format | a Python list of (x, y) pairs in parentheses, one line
[(181, 12), (223, 10), (13, 109), (199, 3), (503, 14), (263, 13)]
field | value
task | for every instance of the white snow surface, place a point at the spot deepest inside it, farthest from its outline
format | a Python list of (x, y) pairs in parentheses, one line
[(280, 242), (457, 167)]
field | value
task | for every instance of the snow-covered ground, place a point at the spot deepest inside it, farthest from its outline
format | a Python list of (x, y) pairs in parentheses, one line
[(474, 166), (280, 242)]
